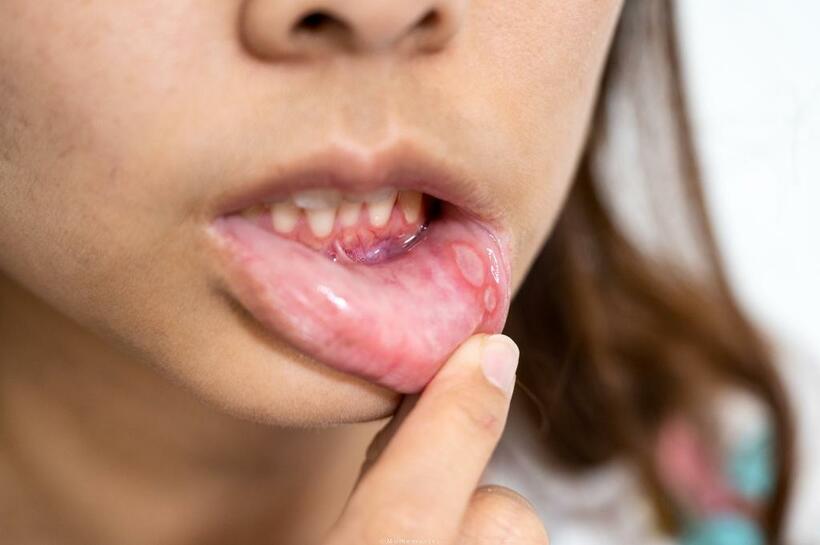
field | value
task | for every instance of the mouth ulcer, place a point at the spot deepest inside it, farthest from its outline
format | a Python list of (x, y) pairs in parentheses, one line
[(365, 228), (384, 285)]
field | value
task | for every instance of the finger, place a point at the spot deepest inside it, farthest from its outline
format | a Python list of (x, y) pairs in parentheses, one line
[(421, 483), (497, 514), (384, 435)]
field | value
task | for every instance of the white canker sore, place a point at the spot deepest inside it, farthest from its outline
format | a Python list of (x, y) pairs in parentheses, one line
[(470, 264)]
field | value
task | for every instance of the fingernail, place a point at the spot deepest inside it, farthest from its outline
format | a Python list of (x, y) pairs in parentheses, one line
[(499, 361)]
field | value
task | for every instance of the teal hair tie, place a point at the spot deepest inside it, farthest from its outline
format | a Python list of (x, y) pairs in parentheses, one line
[(724, 530), (750, 467)]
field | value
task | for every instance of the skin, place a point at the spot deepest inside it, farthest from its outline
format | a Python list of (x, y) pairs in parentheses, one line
[(121, 125)]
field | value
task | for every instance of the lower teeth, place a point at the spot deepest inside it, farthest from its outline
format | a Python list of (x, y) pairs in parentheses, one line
[(379, 252)]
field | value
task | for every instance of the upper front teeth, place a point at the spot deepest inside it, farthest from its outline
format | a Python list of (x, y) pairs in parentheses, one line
[(371, 196), (315, 199), (284, 215), (322, 206), (321, 220), (380, 207), (349, 213), (410, 204)]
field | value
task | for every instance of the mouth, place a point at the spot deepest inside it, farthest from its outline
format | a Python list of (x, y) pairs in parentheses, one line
[(377, 267)]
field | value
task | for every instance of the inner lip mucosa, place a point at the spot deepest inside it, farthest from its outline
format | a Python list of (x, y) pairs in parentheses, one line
[(366, 228), (408, 277)]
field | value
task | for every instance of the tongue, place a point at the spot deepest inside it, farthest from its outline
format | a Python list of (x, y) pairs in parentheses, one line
[(393, 323)]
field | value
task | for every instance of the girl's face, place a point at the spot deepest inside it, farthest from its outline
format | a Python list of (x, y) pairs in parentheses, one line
[(126, 128)]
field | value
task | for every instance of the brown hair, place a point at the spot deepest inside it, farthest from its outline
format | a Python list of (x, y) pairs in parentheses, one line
[(617, 336)]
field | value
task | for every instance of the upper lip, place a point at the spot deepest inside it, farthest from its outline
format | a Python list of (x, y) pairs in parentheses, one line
[(402, 166)]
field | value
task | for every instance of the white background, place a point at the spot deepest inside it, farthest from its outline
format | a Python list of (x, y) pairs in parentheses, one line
[(754, 73)]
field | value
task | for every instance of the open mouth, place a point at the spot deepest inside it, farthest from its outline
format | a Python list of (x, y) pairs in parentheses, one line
[(362, 228), (383, 284)]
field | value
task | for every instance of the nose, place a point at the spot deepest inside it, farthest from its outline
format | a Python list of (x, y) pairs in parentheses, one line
[(281, 29)]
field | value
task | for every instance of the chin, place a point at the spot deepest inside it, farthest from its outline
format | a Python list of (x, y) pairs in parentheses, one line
[(248, 374)]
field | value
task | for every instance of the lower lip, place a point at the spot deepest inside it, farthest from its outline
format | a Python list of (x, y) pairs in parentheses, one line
[(392, 323)]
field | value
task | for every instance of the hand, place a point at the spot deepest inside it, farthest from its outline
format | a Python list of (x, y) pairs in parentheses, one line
[(418, 484)]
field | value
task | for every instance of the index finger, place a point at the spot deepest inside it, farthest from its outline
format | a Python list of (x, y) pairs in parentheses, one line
[(421, 484)]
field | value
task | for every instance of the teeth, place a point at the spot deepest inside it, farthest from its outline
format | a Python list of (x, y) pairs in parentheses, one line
[(380, 208), (349, 213), (372, 196), (314, 199), (410, 204), (322, 206), (284, 216), (321, 221)]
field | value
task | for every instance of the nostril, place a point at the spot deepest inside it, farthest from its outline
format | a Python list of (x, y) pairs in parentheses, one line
[(322, 27), (318, 21), (429, 19)]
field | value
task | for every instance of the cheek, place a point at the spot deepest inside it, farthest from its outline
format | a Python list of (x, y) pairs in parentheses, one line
[(540, 67), (75, 194), (55, 193)]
